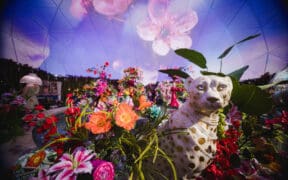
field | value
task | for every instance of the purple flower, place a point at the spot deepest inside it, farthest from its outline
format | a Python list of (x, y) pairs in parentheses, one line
[(103, 170), (72, 164)]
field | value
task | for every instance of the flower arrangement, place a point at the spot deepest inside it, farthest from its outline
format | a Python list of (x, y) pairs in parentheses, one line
[(108, 143), (12, 108)]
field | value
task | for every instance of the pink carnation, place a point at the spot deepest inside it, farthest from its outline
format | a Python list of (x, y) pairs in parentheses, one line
[(103, 170)]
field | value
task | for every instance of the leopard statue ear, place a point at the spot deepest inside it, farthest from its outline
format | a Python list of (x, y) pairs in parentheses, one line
[(188, 83)]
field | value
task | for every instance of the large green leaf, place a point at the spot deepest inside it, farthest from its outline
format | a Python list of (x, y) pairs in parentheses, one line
[(267, 86), (226, 51), (192, 56), (207, 73), (248, 38), (175, 72), (251, 99), (237, 74)]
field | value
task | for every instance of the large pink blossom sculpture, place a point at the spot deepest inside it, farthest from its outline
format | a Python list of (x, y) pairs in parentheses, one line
[(78, 8), (111, 8), (166, 29)]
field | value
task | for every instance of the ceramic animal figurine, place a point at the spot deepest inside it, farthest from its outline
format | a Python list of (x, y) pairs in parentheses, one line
[(193, 149)]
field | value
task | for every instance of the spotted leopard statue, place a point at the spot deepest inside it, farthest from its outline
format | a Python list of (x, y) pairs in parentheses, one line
[(193, 149)]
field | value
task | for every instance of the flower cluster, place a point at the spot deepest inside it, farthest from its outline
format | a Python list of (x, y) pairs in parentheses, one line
[(101, 71), (131, 77), (164, 91), (101, 84), (281, 120), (109, 136), (36, 115), (249, 148), (227, 150), (12, 109)]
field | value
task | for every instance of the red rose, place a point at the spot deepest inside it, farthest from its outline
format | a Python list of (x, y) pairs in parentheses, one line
[(73, 111), (40, 115), (51, 120), (28, 117), (32, 123), (39, 108)]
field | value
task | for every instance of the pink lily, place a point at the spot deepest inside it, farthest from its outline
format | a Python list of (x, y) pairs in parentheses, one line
[(42, 174), (72, 164)]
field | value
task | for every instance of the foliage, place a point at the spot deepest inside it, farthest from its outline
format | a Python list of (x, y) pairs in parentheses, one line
[(251, 99), (175, 72), (226, 51), (255, 100), (253, 147), (11, 110), (192, 56), (237, 74)]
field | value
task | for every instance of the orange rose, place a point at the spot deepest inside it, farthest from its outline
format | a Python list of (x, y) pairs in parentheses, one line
[(98, 123), (36, 159), (143, 103), (125, 117)]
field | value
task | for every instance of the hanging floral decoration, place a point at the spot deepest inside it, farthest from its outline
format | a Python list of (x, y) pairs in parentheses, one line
[(165, 29)]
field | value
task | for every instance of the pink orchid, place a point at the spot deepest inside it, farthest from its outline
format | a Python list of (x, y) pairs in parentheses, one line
[(167, 30), (72, 164), (111, 7)]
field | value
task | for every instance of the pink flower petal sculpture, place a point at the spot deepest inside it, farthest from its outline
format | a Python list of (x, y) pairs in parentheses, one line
[(111, 8), (165, 29)]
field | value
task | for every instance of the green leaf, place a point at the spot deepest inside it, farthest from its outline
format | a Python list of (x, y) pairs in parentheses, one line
[(192, 56), (267, 86), (207, 73), (248, 38), (251, 99), (237, 74), (246, 128), (175, 72), (225, 52)]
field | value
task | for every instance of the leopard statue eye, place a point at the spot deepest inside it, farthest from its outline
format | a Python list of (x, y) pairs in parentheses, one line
[(221, 87), (200, 87)]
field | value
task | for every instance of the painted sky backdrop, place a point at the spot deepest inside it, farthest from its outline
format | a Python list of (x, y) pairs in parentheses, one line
[(65, 37)]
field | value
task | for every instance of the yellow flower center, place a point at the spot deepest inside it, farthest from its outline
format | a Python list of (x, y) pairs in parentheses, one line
[(36, 160), (125, 118), (101, 124)]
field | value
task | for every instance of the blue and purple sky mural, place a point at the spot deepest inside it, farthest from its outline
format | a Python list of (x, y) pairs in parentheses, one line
[(65, 37)]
